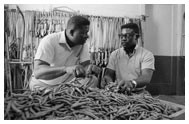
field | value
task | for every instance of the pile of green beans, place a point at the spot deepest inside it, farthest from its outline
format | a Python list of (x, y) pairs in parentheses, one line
[(69, 102)]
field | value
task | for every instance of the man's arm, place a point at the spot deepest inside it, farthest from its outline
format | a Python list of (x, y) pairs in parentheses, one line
[(42, 70), (141, 81), (147, 71), (145, 78)]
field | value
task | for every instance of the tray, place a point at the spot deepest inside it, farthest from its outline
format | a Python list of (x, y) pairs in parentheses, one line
[(171, 104)]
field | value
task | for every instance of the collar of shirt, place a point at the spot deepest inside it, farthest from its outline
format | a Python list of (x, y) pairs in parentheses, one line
[(63, 40), (134, 51)]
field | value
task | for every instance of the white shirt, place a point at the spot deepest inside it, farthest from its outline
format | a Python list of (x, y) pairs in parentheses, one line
[(54, 50), (130, 68)]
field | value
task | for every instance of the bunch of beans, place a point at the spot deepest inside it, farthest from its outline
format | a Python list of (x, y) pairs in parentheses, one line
[(69, 102)]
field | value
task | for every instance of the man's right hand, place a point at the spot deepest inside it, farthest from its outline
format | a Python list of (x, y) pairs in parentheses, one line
[(93, 69), (77, 70), (105, 80)]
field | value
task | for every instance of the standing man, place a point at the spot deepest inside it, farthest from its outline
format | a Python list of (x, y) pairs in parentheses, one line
[(131, 66), (61, 56)]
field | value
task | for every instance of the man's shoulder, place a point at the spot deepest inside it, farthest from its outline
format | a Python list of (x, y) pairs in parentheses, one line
[(53, 36), (144, 50), (118, 51)]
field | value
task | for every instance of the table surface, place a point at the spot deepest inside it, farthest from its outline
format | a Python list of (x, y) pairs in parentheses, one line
[(175, 99)]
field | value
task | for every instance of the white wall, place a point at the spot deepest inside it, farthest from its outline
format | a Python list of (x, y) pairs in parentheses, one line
[(115, 10), (162, 32)]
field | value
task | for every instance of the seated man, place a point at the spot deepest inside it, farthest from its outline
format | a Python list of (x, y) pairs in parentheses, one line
[(131, 66), (61, 56)]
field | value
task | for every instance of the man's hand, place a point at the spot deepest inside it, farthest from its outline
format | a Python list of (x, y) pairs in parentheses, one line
[(77, 70), (125, 86), (93, 69), (103, 83)]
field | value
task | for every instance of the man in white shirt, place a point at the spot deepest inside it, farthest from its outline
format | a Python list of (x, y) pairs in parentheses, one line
[(61, 56), (131, 66)]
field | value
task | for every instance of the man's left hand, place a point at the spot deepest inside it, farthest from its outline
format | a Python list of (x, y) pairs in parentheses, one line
[(125, 86)]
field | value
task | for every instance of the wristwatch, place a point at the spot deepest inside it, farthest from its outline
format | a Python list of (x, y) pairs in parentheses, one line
[(134, 83)]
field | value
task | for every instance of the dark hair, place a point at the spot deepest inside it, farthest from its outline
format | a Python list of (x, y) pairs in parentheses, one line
[(133, 26), (77, 22)]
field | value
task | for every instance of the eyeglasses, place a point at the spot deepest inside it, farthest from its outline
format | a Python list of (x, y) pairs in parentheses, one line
[(128, 35)]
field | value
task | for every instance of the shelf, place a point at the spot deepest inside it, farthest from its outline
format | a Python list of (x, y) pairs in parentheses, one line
[(18, 61), (12, 62)]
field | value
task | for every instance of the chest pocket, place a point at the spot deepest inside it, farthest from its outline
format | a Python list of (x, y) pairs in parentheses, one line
[(138, 66)]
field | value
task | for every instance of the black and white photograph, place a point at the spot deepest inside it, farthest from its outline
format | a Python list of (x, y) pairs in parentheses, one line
[(94, 61)]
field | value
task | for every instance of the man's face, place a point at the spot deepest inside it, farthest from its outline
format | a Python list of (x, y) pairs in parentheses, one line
[(80, 35), (128, 38)]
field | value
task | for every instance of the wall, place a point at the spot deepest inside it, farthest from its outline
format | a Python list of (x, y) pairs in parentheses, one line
[(163, 28), (162, 36), (156, 33)]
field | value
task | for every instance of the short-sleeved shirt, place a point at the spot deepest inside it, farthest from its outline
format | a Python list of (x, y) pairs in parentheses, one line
[(54, 50), (129, 68)]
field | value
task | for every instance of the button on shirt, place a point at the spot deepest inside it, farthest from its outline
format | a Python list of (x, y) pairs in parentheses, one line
[(129, 68), (54, 50)]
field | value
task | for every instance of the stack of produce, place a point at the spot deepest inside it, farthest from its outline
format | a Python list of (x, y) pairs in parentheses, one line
[(70, 102)]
